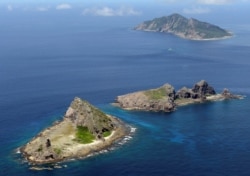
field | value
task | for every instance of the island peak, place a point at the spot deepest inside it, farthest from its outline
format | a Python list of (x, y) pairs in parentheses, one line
[(178, 25), (83, 130)]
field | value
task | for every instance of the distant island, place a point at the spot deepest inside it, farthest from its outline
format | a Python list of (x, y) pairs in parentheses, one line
[(83, 131), (165, 98), (191, 29)]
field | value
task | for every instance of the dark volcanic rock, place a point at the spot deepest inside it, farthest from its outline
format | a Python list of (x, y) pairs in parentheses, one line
[(202, 89), (199, 91), (184, 93)]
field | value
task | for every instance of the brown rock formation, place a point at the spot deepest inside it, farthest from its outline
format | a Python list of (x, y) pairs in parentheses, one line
[(81, 113), (228, 95), (160, 99)]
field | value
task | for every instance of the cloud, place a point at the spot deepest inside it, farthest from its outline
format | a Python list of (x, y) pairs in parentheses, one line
[(63, 6), (196, 10), (215, 2), (104, 11), (206, 2), (9, 7), (42, 9), (107, 11), (167, 1)]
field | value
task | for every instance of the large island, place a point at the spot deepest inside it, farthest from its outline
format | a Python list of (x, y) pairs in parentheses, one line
[(166, 99), (83, 131), (178, 25)]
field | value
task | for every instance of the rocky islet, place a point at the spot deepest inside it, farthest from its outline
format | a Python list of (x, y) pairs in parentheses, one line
[(60, 141), (166, 99)]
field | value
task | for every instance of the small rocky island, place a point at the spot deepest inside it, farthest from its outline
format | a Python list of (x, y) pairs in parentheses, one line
[(191, 29), (83, 131), (166, 99)]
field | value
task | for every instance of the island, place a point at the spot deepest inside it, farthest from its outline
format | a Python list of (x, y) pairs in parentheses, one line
[(191, 29), (83, 130), (166, 99)]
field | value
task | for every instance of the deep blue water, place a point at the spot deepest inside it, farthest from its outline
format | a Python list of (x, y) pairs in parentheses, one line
[(44, 64)]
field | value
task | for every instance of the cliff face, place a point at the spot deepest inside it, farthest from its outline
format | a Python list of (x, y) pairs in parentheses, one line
[(166, 99), (66, 139), (186, 28)]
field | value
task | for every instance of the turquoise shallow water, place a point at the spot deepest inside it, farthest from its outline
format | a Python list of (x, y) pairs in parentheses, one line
[(43, 69)]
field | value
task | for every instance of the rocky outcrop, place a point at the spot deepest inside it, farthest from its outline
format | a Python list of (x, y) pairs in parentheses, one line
[(185, 28), (226, 94), (199, 91), (166, 99), (61, 140)]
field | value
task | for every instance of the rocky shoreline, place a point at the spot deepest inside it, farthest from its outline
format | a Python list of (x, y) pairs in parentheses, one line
[(166, 99), (58, 142), (194, 38)]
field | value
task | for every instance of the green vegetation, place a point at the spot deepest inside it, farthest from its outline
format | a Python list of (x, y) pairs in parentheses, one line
[(83, 135), (95, 121), (106, 133), (58, 151), (210, 31), (156, 94)]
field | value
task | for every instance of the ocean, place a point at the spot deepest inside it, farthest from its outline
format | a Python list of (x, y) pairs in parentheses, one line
[(45, 63)]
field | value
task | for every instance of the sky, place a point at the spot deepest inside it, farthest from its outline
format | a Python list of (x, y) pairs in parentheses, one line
[(146, 9)]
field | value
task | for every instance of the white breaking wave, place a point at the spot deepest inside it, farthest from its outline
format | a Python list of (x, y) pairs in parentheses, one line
[(115, 146), (18, 151), (132, 130)]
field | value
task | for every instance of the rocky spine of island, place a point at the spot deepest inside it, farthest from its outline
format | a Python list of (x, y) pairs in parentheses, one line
[(166, 99)]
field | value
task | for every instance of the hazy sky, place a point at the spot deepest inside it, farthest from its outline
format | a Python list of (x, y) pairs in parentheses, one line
[(143, 8)]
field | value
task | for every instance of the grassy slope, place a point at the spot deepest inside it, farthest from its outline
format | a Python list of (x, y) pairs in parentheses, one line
[(156, 94)]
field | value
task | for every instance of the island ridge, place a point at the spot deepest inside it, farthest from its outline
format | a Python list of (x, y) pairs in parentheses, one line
[(180, 26), (166, 99)]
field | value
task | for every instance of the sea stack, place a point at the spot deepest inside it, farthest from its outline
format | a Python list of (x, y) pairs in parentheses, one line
[(83, 130)]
